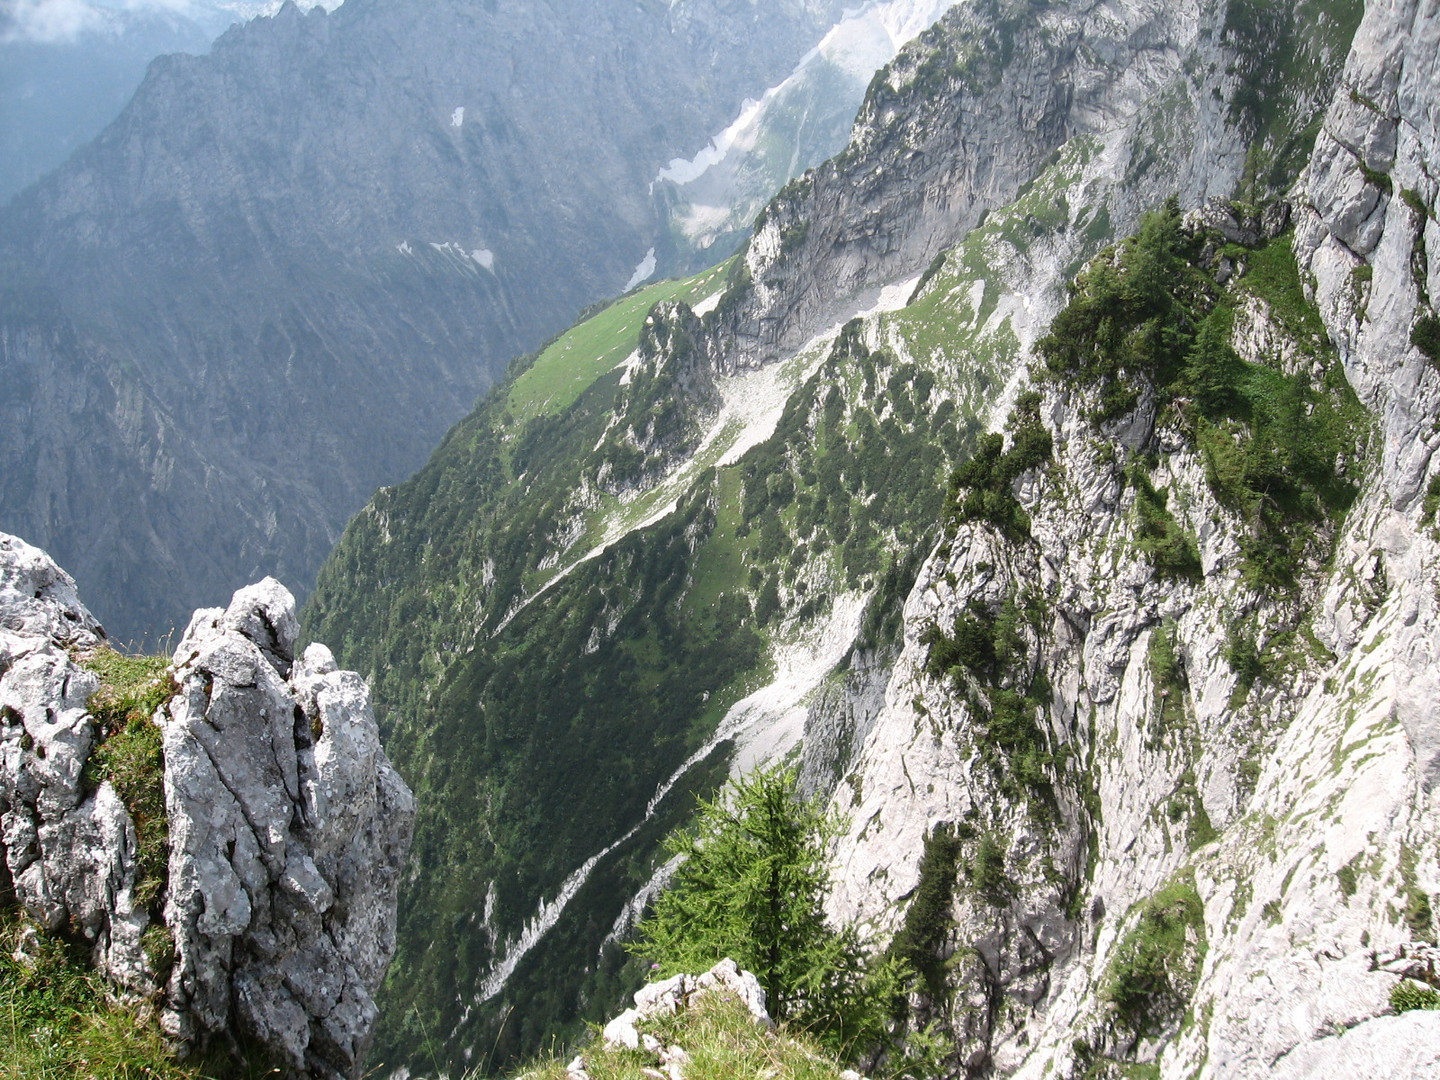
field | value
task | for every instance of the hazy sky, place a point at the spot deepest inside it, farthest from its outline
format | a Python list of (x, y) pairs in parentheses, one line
[(59, 21)]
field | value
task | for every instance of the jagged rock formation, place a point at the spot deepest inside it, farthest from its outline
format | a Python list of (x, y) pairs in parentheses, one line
[(288, 828), (317, 244), (68, 853)]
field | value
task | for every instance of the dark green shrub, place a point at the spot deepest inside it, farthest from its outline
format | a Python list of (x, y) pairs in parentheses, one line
[(1407, 995), (921, 941), (988, 873), (981, 487), (1243, 657), (1154, 970), (1171, 549), (1167, 674), (1130, 319), (1431, 503), (1426, 337)]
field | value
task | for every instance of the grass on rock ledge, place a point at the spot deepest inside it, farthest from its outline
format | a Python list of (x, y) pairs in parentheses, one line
[(60, 1021), (131, 755), (723, 1042)]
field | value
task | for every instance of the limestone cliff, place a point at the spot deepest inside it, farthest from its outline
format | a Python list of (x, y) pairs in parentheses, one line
[(1221, 854), (274, 916), (740, 546)]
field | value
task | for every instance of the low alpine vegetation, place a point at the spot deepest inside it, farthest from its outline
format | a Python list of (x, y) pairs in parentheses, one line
[(1407, 995), (721, 1041), (131, 756), (1154, 970), (58, 1020), (1148, 319)]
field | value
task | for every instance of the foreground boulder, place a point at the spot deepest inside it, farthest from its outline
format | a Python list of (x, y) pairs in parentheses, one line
[(288, 828)]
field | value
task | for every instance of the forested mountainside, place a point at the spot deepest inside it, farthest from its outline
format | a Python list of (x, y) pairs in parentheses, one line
[(290, 265), (1037, 468)]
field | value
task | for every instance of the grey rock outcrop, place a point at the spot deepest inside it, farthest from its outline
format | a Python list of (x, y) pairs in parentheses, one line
[(288, 828), (288, 834), (679, 992), (670, 997), (67, 854)]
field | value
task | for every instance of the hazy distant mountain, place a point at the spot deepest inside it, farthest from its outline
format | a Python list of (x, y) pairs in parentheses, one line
[(289, 265), (68, 68)]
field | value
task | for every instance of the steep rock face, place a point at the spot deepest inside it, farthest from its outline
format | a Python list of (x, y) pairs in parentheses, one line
[(1268, 849), (316, 245), (288, 828), (964, 119)]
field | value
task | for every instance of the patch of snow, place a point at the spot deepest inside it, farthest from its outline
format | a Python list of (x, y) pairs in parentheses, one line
[(540, 925), (744, 127), (891, 297), (709, 304), (863, 41), (404, 248), (458, 116), (484, 257), (627, 369), (643, 271)]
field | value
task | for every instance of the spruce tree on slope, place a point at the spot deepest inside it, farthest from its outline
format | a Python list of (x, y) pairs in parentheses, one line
[(751, 886)]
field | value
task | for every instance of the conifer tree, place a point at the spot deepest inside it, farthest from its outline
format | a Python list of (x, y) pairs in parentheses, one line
[(751, 886)]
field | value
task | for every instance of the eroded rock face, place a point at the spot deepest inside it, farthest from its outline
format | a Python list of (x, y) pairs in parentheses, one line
[(67, 854), (288, 826), (288, 831), (1301, 822)]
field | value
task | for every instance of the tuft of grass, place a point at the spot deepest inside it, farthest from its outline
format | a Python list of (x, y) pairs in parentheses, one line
[(1167, 672), (130, 687), (59, 1022), (723, 1043), (131, 755)]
